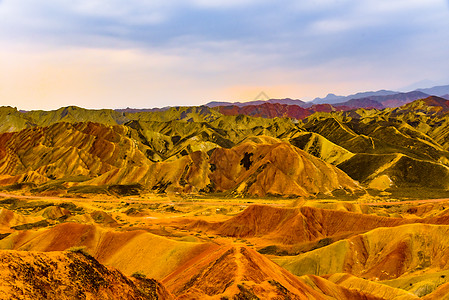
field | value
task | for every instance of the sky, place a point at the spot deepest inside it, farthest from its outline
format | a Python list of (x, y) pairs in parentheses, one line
[(144, 54)]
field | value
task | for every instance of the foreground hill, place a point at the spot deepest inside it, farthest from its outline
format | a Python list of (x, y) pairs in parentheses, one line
[(69, 275), (237, 272), (153, 255), (242, 273), (197, 249)]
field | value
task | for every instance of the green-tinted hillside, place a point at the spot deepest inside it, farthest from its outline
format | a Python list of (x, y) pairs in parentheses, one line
[(382, 149)]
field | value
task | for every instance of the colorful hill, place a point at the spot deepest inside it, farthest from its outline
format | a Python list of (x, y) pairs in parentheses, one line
[(152, 255), (382, 149), (69, 275), (255, 201), (72, 155), (326, 249), (241, 273)]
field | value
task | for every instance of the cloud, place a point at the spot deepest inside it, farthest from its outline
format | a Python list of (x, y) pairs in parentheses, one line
[(209, 47)]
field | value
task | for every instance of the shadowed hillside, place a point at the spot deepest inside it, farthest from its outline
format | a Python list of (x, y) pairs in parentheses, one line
[(69, 275), (69, 156), (275, 169), (153, 255), (242, 273), (305, 224)]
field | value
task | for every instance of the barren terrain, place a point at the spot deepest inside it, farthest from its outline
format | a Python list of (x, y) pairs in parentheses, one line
[(206, 246), (201, 202)]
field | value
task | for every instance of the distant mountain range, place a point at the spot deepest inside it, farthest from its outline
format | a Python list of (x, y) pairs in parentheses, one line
[(332, 98), (272, 109), (436, 90), (378, 99), (380, 102)]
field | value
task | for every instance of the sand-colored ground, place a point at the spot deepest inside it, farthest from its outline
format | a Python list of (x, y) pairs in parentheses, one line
[(226, 247)]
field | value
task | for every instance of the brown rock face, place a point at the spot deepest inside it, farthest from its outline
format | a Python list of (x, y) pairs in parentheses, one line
[(297, 225), (238, 272), (41, 154), (274, 169), (69, 275), (90, 154)]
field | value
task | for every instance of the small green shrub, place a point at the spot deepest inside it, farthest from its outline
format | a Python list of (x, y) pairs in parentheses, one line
[(139, 275)]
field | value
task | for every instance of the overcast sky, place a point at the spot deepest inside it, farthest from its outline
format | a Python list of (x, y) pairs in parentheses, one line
[(116, 54)]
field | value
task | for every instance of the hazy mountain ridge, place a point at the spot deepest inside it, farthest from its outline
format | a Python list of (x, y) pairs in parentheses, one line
[(271, 109), (332, 98), (386, 99), (381, 102), (436, 90)]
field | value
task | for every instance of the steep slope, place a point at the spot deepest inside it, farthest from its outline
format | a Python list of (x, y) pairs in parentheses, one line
[(62, 150), (242, 273), (397, 171), (69, 275), (334, 129), (275, 169), (13, 120), (392, 148), (321, 147), (380, 254), (370, 135), (231, 271), (186, 174), (176, 138), (176, 149), (67, 156), (152, 255), (429, 105), (298, 225), (76, 154)]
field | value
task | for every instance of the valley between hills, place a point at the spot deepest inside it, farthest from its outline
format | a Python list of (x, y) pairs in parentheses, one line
[(272, 200)]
